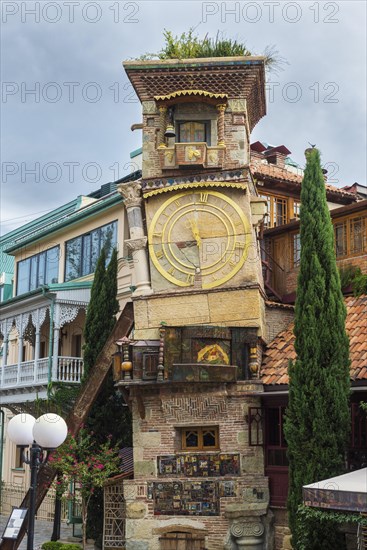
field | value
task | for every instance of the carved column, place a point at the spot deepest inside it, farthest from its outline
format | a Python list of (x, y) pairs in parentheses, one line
[(220, 124), (162, 126), (131, 193), (248, 534)]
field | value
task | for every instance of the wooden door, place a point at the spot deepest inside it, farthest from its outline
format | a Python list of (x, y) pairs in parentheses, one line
[(182, 541), (279, 263)]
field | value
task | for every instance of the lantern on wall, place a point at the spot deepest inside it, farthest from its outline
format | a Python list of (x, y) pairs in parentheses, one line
[(122, 366), (253, 362)]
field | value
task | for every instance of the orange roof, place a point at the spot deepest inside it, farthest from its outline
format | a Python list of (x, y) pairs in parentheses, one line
[(276, 172), (280, 351)]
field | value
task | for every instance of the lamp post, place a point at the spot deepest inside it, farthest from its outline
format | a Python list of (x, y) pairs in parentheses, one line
[(48, 432)]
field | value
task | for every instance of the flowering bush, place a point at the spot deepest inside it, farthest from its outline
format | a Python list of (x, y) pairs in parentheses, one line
[(82, 461)]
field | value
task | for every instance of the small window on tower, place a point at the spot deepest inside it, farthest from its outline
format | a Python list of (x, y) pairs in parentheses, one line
[(191, 131)]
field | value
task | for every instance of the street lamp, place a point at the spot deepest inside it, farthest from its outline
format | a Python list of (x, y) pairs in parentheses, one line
[(48, 432)]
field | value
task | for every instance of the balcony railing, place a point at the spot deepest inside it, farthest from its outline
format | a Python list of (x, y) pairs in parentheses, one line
[(187, 372), (30, 373), (196, 154)]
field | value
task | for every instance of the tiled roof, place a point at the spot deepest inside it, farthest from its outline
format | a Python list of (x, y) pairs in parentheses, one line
[(276, 172), (280, 351)]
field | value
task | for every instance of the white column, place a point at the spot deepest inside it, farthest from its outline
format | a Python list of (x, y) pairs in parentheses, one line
[(55, 354), (131, 193), (5, 351), (5, 359), (37, 346), (20, 356)]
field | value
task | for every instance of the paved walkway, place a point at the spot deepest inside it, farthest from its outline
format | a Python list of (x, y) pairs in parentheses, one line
[(42, 533)]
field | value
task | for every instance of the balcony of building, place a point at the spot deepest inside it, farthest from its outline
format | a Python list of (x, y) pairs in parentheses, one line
[(42, 339), (281, 251), (205, 354), (191, 155)]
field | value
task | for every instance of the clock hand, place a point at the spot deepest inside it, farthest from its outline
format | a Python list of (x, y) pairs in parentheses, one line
[(195, 232)]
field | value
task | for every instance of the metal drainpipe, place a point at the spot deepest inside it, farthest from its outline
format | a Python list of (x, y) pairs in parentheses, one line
[(1, 455), (51, 334)]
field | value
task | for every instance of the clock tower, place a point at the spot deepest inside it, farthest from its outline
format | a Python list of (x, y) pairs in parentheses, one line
[(199, 304)]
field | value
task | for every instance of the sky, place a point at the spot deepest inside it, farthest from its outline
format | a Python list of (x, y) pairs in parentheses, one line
[(67, 106)]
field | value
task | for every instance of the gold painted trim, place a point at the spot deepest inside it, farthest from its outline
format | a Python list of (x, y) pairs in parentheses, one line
[(180, 93), (196, 185)]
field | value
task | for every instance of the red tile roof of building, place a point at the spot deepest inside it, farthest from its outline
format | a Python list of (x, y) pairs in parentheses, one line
[(280, 351), (259, 168)]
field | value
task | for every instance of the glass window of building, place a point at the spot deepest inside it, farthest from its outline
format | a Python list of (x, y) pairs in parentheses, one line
[(40, 269), (83, 252)]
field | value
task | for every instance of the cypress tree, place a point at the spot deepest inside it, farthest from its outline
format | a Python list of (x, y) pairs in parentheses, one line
[(102, 309), (94, 320), (109, 416), (317, 417)]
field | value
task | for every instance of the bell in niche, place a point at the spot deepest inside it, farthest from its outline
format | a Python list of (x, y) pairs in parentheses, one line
[(170, 130)]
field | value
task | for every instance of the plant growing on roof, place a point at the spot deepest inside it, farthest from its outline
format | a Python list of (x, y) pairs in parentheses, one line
[(317, 417), (189, 45)]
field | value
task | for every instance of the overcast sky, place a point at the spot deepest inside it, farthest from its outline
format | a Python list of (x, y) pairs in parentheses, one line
[(72, 134)]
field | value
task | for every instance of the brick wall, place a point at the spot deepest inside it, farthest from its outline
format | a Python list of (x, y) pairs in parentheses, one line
[(166, 411), (236, 152), (278, 319)]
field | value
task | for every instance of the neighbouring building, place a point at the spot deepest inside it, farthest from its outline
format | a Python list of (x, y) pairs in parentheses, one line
[(47, 271)]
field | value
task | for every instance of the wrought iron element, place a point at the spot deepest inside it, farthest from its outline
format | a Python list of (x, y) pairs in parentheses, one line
[(67, 314), (34, 458)]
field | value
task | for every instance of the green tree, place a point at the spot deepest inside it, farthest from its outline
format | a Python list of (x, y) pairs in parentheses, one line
[(87, 464), (109, 416), (317, 417), (102, 309)]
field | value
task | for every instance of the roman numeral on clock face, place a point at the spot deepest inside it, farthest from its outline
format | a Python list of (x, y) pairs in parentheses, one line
[(204, 197), (190, 279)]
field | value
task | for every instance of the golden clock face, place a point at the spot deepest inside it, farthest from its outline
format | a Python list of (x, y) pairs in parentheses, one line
[(199, 238)]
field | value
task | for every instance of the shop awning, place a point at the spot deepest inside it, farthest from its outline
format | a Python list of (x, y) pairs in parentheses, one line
[(346, 492)]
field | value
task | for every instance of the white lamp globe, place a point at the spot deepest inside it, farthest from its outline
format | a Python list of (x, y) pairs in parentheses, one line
[(50, 431), (20, 429)]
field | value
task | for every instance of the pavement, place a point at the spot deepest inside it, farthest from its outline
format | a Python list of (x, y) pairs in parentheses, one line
[(42, 533)]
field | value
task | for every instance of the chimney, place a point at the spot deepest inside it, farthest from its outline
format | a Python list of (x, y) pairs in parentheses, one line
[(277, 155), (257, 150)]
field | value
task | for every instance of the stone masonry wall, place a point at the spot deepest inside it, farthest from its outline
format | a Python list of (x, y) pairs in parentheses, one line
[(166, 411)]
